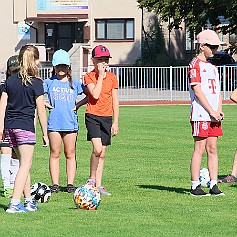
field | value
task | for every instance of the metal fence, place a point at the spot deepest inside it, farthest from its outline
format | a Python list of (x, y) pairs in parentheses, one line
[(159, 83)]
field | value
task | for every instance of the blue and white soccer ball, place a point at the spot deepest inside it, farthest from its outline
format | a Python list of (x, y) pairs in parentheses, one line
[(204, 177), (40, 192), (87, 197)]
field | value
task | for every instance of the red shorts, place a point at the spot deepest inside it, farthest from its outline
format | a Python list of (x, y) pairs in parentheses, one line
[(206, 129)]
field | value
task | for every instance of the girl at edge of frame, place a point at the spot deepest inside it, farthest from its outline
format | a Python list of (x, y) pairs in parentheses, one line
[(62, 91), (9, 160), (22, 93)]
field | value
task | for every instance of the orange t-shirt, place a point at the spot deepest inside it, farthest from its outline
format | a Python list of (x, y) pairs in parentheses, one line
[(104, 105)]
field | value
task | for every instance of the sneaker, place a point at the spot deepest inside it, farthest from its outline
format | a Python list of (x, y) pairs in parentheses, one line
[(16, 208), (103, 191), (91, 182), (55, 188), (216, 191), (228, 179), (8, 192), (70, 188), (31, 206), (198, 192)]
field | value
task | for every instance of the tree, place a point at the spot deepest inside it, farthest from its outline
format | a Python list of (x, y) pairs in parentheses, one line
[(195, 13)]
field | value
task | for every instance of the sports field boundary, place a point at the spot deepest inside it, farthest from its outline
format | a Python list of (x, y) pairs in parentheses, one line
[(163, 102)]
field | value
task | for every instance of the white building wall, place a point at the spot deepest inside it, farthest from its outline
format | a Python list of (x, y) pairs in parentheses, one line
[(122, 52)]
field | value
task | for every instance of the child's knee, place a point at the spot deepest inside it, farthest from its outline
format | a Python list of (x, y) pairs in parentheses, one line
[(97, 152)]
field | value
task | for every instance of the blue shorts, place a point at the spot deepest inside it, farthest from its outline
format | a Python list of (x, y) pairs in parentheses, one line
[(18, 137)]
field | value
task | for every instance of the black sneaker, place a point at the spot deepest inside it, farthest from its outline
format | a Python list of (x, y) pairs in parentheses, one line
[(55, 188), (216, 191), (228, 179), (198, 192), (70, 188)]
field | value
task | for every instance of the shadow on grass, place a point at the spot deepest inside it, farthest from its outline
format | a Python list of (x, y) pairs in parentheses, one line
[(4, 207), (164, 188)]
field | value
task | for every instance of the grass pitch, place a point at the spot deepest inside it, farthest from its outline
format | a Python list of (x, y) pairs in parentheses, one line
[(147, 172)]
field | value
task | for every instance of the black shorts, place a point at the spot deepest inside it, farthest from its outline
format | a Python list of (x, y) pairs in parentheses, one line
[(99, 127)]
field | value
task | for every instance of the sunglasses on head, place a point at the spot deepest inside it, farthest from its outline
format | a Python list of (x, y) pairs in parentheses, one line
[(212, 46)]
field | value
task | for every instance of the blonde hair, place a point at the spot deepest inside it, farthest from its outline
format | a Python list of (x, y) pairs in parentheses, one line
[(28, 67)]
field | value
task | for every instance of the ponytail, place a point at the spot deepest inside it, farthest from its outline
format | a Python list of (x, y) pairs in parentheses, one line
[(69, 75), (28, 67)]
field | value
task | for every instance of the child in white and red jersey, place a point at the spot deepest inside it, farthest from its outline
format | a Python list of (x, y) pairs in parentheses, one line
[(205, 112)]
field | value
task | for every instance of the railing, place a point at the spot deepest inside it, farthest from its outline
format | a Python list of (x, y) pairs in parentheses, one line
[(159, 83)]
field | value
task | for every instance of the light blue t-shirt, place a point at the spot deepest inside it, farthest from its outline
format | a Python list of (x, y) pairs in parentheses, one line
[(63, 98)]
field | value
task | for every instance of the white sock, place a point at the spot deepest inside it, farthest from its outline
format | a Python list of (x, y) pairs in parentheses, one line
[(14, 170), (212, 183), (15, 201), (5, 169), (195, 184), (28, 199)]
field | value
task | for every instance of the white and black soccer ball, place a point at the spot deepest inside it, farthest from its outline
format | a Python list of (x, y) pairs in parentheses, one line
[(40, 192), (204, 177)]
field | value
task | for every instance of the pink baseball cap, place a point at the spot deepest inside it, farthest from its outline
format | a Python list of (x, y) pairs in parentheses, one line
[(209, 37), (100, 51)]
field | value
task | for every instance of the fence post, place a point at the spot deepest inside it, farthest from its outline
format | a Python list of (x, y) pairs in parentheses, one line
[(117, 72), (224, 81), (171, 83)]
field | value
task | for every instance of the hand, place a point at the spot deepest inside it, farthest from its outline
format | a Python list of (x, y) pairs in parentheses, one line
[(217, 115), (102, 67), (222, 115), (45, 141), (114, 130), (48, 105), (74, 109), (1, 136)]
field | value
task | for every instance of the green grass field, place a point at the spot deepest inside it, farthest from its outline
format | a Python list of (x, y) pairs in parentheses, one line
[(147, 172)]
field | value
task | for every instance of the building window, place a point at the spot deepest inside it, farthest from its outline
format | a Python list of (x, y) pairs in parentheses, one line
[(233, 38), (188, 41), (121, 29)]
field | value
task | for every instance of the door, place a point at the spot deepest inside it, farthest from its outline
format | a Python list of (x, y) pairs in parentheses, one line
[(62, 36), (64, 39)]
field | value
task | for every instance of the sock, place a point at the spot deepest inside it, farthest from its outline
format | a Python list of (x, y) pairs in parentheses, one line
[(14, 170), (91, 180), (212, 183), (28, 199), (195, 184), (15, 201), (5, 169)]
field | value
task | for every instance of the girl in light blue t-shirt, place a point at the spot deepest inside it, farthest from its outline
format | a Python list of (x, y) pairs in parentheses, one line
[(62, 91)]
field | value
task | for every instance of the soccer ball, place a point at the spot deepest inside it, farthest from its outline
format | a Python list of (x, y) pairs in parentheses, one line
[(87, 197), (204, 177), (40, 192)]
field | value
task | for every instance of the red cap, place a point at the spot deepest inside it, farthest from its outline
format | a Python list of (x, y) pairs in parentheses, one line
[(100, 51)]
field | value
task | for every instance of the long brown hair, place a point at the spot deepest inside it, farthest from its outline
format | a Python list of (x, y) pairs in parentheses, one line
[(28, 67), (69, 76)]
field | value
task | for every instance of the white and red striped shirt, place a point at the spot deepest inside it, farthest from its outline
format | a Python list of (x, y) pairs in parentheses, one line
[(206, 75)]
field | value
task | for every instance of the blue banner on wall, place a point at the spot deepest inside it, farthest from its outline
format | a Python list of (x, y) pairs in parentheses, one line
[(46, 5), (23, 31)]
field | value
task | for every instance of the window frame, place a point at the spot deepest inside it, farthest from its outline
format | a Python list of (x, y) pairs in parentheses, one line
[(114, 20)]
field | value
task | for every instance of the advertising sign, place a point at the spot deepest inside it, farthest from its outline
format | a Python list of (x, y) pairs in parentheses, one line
[(47, 5)]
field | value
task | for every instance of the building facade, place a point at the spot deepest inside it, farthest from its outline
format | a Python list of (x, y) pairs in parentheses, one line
[(76, 26)]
